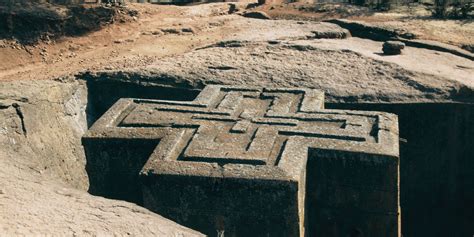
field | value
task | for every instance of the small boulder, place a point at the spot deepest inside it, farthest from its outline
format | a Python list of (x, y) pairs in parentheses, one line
[(188, 30), (468, 47), (408, 35), (393, 47)]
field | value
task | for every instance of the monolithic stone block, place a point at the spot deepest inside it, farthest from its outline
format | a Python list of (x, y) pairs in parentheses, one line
[(251, 162)]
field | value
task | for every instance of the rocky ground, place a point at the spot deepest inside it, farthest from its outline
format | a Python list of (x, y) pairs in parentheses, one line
[(32, 205), (42, 171), (408, 18), (350, 70), (44, 96)]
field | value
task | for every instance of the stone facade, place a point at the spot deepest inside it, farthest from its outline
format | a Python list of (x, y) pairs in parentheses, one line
[(251, 162)]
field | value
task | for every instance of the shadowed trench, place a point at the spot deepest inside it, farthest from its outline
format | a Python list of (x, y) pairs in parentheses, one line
[(436, 166), (436, 151)]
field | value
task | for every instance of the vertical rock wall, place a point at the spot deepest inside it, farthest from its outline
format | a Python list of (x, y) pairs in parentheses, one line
[(436, 166)]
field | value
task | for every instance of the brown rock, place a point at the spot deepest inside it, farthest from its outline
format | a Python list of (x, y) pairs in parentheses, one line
[(393, 47)]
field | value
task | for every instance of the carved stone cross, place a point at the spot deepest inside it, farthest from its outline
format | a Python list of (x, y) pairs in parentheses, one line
[(251, 162)]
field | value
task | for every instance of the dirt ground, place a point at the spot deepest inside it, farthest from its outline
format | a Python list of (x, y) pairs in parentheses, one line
[(165, 31), (415, 19), (133, 43), (43, 105)]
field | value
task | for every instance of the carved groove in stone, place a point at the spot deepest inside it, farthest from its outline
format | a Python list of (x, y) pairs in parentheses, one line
[(250, 139)]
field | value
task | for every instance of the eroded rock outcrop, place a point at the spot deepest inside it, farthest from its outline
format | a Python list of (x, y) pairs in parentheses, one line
[(42, 174)]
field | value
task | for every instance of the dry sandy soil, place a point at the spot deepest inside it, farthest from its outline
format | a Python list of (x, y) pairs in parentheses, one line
[(43, 105), (414, 19)]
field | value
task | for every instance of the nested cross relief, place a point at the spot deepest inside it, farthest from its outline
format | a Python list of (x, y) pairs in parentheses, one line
[(231, 125), (233, 141)]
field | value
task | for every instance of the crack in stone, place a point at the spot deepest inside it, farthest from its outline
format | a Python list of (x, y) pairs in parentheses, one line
[(21, 116)]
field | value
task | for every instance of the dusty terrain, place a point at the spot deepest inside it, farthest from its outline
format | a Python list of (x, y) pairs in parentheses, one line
[(351, 73), (415, 19), (166, 31), (44, 107)]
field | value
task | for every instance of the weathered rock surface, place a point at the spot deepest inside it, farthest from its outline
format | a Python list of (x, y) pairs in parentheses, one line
[(393, 47), (261, 30), (257, 15), (469, 47), (366, 30), (41, 123), (386, 32), (439, 65), (32, 205), (343, 74)]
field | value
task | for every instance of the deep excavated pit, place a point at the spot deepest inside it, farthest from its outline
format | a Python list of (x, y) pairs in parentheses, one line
[(436, 151), (436, 166), (236, 154), (436, 144)]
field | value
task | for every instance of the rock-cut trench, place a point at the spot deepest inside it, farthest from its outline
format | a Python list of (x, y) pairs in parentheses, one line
[(436, 146)]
